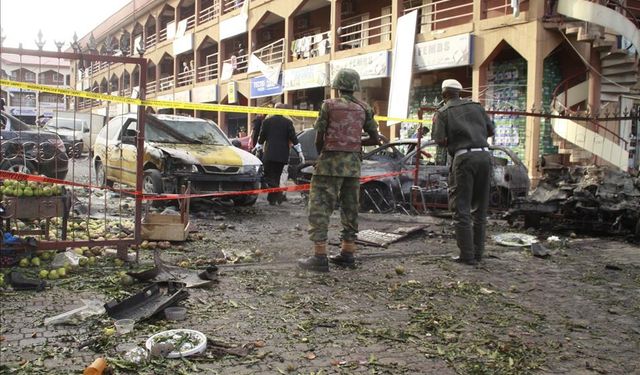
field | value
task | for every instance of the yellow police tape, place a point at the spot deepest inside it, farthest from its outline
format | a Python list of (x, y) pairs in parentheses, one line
[(181, 105)]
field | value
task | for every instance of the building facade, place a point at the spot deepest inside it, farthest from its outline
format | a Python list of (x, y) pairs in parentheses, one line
[(560, 56), (28, 105)]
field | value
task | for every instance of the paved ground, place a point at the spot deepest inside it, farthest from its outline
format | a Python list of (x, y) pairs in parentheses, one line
[(405, 309)]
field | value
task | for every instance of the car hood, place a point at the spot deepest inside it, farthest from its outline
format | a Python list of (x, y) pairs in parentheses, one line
[(207, 154)]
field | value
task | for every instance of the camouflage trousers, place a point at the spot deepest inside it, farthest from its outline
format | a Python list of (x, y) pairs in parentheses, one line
[(325, 192)]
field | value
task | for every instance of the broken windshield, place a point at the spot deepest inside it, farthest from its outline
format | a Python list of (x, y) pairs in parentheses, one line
[(184, 132)]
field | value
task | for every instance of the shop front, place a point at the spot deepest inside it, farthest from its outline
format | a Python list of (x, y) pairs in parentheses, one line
[(306, 88)]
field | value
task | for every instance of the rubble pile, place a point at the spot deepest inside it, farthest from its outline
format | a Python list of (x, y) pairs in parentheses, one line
[(597, 199)]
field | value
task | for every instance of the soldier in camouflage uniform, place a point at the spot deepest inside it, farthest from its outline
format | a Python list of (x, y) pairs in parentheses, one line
[(462, 126), (337, 172)]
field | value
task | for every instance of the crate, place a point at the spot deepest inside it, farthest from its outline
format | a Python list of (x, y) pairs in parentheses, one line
[(158, 227)]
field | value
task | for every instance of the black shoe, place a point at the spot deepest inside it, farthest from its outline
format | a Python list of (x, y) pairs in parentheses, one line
[(272, 203), (314, 263), (343, 260), (469, 262)]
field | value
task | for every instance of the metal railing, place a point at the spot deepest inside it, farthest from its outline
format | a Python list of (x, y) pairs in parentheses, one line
[(185, 78), (442, 14), (191, 22), (357, 33), (209, 13), (231, 5), (240, 63), (166, 83), (498, 8), (151, 87), (150, 41), (631, 11), (272, 53), (162, 36), (207, 72)]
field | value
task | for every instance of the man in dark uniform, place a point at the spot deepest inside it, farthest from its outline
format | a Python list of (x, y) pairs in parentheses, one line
[(462, 126), (337, 172), (276, 133)]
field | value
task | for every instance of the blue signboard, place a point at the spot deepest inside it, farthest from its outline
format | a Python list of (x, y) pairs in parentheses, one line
[(261, 87)]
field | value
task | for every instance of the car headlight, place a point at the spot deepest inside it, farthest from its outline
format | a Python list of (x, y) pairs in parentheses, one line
[(252, 170), (186, 168)]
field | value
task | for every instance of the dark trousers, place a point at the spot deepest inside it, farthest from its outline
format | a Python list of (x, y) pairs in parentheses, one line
[(469, 186), (272, 173)]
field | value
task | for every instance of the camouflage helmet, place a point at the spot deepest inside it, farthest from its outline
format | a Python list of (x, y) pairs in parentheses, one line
[(346, 79)]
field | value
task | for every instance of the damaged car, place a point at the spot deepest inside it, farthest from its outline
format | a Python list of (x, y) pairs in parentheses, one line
[(389, 178), (179, 150), (592, 199)]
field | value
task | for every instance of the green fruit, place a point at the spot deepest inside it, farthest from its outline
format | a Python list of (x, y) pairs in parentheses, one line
[(83, 262), (119, 262), (35, 262), (126, 280), (62, 272), (43, 274), (24, 262), (47, 191), (28, 192), (53, 275), (19, 192), (92, 261), (1, 280), (46, 255)]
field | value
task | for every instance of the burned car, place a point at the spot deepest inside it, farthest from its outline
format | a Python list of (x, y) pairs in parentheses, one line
[(395, 163), (591, 199), (178, 150), (28, 149)]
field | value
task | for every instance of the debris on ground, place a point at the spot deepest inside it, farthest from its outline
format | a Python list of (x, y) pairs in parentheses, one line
[(148, 302), (590, 199), (377, 238), (91, 307), (514, 239)]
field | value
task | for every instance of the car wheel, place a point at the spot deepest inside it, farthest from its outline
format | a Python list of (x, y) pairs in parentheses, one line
[(376, 197), (244, 200), (101, 177), (17, 166), (152, 182)]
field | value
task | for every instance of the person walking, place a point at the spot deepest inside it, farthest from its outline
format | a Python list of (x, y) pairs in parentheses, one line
[(462, 126), (276, 133), (336, 178)]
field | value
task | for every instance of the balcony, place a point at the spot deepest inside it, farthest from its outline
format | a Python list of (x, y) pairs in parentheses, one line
[(166, 83), (185, 78), (272, 53), (191, 22), (240, 63), (439, 15), (500, 8), (360, 31), (230, 5), (209, 13), (150, 41), (310, 45), (151, 87), (209, 71), (162, 36)]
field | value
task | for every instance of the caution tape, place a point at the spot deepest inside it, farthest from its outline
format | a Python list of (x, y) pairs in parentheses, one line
[(157, 197), (181, 105)]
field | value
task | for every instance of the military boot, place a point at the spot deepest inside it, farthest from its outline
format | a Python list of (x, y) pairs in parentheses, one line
[(345, 258), (317, 262)]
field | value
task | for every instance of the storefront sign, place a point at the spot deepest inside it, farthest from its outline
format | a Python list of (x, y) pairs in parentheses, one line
[(306, 77), (181, 96), (444, 53), (261, 87), (371, 65), (205, 94), (232, 92), (402, 67)]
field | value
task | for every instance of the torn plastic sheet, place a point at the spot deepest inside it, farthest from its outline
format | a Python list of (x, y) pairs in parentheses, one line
[(514, 239), (91, 307), (163, 272), (148, 302)]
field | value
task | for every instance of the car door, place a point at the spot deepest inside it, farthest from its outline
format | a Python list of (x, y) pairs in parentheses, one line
[(106, 147), (128, 152)]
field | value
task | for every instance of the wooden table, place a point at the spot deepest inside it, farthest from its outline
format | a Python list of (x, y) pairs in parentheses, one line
[(30, 208)]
